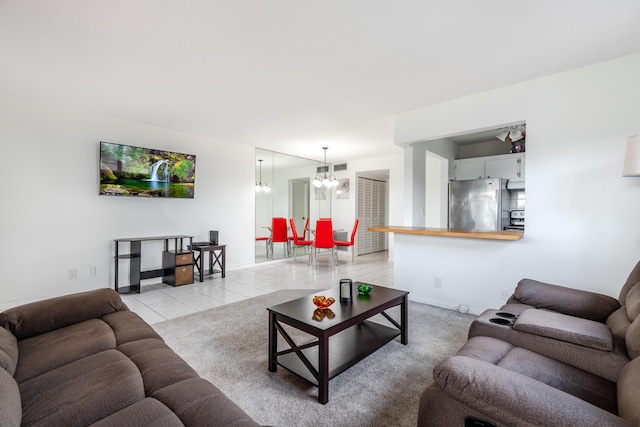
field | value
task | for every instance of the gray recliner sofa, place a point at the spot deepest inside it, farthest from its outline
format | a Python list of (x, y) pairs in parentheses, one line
[(550, 356), (85, 359)]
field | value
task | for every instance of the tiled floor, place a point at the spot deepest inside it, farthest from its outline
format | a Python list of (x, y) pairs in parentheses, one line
[(158, 302)]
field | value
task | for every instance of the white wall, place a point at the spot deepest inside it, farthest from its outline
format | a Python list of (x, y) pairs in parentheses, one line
[(344, 210), (53, 220), (582, 228)]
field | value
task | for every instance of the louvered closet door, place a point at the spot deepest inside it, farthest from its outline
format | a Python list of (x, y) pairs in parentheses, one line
[(372, 212)]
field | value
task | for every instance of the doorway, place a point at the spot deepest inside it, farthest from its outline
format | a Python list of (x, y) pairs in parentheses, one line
[(299, 189), (372, 208)]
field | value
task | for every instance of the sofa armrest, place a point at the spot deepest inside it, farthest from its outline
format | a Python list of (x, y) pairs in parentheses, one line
[(513, 398), (574, 302), (43, 316), (576, 330)]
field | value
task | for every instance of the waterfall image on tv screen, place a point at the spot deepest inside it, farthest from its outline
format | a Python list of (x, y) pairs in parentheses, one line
[(135, 171)]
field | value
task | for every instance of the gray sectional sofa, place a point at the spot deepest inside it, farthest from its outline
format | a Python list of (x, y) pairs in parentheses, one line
[(85, 359), (551, 356)]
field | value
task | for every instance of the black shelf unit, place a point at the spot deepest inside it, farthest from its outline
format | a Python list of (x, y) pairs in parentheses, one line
[(135, 254)]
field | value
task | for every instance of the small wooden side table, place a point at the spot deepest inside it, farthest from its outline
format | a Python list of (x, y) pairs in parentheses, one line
[(216, 257)]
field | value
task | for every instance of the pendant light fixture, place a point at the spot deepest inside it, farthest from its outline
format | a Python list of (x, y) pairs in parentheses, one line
[(262, 187), (324, 180), (512, 134)]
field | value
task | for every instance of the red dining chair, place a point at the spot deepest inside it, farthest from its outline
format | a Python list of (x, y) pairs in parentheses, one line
[(304, 230), (279, 234), (297, 242), (351, 243), (266, 243), (324, 240)]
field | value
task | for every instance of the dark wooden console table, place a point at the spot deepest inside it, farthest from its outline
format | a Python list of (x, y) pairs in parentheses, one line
[(216, 257), (134, 255)]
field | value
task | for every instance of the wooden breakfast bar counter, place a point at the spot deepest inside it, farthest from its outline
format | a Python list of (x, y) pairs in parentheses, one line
[(469, 270), (450, 232)]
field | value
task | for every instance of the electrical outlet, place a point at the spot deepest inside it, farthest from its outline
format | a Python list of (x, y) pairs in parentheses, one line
[(505, 293), (92, 271), (437, 282), (73, 274)]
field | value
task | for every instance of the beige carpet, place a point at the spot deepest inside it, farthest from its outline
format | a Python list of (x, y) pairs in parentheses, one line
[(228, 346)]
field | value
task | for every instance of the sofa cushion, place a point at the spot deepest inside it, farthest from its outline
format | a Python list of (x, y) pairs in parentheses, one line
[(633, 302), (585, 386), (574, 302), (27, 320), (42, 353), (486, 349), (146, 412), (8, 351), (561, 327), (628, 396), (577, 382), (160, 366), (618, 322), (196, 399), (503, 398), (10, 402), (82, 392), (127, 326), (632, 279), (632, 339)]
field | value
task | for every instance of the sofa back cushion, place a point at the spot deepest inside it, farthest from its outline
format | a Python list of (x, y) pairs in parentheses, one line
[(618, 322), (8, 351), (43, 316), (10, 403), (632, 339), (574, 302), (634, 277), (632, 302)]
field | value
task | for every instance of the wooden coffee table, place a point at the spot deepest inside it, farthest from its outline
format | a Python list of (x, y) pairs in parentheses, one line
[(344, 335)]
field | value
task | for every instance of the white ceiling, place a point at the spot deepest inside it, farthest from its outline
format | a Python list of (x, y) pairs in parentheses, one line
[(290, 75)]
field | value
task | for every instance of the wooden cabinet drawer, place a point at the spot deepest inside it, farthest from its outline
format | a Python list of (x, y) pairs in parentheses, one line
[(184, 259), (184, 275)]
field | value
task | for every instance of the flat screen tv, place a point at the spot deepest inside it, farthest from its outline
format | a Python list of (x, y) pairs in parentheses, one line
[(126, 170)]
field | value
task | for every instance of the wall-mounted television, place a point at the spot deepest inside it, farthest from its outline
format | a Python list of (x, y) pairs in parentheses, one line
[(126, 170)]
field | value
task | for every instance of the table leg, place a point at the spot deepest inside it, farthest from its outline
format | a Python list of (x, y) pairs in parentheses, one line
[(323, 369), (273, 343), (404, 319), (223, 261), (201, 265)]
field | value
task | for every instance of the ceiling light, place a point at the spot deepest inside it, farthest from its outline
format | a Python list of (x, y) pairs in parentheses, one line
[(322, 180), (511, 134), (502, 136), (262, 187)]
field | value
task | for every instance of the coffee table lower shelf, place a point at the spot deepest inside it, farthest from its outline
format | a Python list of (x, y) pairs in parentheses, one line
[(345, 350)]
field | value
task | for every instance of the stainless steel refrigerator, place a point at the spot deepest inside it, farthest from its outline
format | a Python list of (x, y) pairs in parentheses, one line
[(479, 204)]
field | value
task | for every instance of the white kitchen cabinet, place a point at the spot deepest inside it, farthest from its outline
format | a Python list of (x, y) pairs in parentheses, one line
[(509, 166), (469, 169)]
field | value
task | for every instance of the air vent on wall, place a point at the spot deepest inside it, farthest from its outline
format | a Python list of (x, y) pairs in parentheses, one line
[(339, 167), (322, 169)]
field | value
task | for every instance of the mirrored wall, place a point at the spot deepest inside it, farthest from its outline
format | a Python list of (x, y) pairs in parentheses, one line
[(289, 195)]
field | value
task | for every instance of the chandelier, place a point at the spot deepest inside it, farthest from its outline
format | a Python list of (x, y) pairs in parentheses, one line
[(262, 187), (322, 180)]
